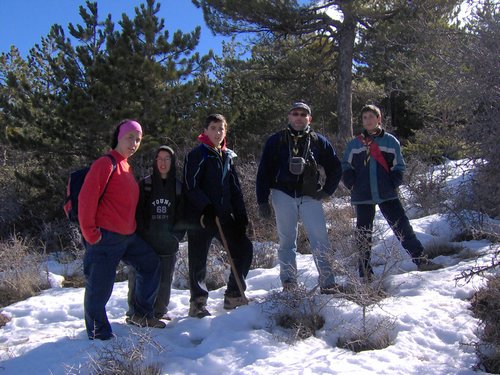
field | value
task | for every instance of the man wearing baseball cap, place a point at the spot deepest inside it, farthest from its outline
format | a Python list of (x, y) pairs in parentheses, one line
[(299, 169)]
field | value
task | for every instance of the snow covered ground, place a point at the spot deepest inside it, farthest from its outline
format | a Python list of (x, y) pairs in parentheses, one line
[(426, 317), (429, 315)]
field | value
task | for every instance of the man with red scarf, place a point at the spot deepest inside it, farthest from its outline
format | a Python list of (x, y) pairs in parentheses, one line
[(213, 190)]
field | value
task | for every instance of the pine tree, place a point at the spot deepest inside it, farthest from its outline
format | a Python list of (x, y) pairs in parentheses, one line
[(154, 76), (61, 103), (336, 22)]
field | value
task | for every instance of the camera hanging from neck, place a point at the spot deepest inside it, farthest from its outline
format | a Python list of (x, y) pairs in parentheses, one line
[(297, 163), (295, 137)]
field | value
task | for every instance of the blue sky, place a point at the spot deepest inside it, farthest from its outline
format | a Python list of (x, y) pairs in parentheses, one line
[(24, 22)]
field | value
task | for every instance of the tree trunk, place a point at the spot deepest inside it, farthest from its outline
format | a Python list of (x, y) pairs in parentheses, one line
[(347, 36)]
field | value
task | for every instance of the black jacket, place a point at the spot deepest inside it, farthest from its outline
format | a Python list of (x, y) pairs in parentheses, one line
[(274, 171), (211, 179)]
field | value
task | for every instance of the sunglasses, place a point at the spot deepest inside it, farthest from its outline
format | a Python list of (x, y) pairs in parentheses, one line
[(301, 114)]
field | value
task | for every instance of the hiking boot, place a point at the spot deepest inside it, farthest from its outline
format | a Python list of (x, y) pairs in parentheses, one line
[(164, 317), (198, 310), (424, 264), (111, 336), (142, 321), (232, 302)]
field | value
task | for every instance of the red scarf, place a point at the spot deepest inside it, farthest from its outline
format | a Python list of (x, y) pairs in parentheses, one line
[(372, 148)]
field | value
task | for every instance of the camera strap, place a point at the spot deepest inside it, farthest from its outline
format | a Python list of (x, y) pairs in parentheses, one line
[(293, 143)]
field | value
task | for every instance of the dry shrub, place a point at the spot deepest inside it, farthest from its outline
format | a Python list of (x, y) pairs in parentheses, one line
[(217, 267), (132, 355), (297, 310), (481, 270), (302, 326), (75, 281), (371, 333), (436, 249), (21, 273), (486, 306), (303, 245), (364, 293), (70, 254), (489, 231), (264, 255), (344, 261), (470, 234), (469, 213), (467, 253), (375, 335), (486, 186), (260, 230), (4, 319), (340, 219), (61, 236), (72, 267), (427, 190)]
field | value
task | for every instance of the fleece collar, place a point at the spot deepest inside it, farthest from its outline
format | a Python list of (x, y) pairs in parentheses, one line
[(203, 138)]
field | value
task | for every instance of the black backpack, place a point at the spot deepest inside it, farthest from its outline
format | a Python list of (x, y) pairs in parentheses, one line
[(75, 183)]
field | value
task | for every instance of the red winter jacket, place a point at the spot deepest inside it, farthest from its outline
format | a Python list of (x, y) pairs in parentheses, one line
[(116, 211)]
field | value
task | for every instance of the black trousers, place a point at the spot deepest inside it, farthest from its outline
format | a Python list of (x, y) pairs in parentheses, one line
[(395, 215), (199, 241)]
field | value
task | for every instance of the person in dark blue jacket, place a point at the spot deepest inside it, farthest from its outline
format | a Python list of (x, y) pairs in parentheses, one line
[(373, 168), (212, 189), (299, 168)]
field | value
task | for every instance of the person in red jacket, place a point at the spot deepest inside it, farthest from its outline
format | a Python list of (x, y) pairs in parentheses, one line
[(108, 227)]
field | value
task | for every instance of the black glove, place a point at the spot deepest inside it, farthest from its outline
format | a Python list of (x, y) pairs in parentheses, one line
[(265, 210), (321, 195), (349, 178), (207, 219), (240, 225), (397, 178)]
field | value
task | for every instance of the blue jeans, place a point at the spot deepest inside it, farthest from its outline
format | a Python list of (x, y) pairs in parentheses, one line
[(167, 268), (99, 266), (288, 211)]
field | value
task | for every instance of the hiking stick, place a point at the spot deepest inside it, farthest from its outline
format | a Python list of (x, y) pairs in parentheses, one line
[(230, 258), (231, 263)]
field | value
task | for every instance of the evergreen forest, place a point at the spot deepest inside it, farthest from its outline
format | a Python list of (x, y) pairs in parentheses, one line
[(435, 75)]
